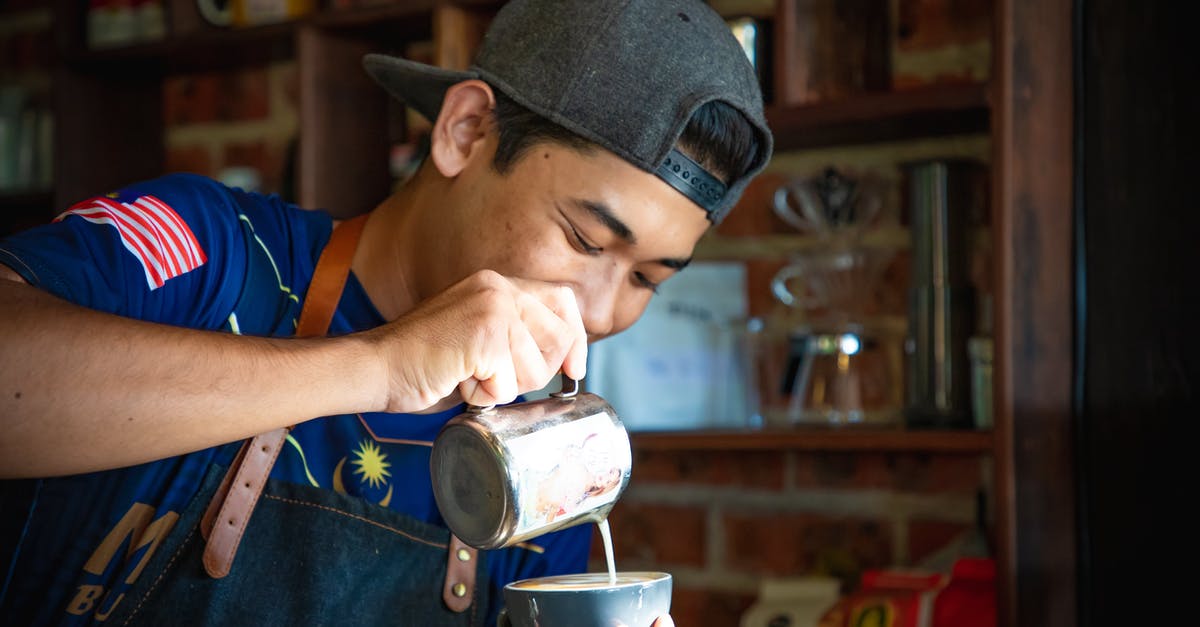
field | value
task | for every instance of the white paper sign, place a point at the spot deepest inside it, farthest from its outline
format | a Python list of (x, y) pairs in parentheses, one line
[(680, 366)]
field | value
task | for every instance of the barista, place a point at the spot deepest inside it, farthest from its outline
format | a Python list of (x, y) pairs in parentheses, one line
[(570, 173)]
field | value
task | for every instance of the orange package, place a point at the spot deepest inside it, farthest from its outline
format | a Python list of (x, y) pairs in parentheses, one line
[(898, 598), (888, 598)]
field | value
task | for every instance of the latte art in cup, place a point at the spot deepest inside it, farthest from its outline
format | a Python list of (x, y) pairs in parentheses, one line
[(587, 581), (637, 599)]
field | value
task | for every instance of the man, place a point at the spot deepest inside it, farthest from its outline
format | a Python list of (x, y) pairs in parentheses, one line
[(571, 171)]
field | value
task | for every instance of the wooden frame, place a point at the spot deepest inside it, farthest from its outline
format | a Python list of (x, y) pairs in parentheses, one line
[(1033, 170)]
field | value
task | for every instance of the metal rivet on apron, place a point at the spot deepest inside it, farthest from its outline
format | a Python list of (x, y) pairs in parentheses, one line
[(464, 555), (459, 590)]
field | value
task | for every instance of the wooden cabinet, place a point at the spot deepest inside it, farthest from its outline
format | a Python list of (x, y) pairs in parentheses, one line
[(110, 131)]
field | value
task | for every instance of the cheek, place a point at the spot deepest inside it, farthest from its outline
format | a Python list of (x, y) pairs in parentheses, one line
[(629, 307), (538, 255)]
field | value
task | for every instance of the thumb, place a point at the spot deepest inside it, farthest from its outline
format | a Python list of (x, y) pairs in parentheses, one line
[(664, 621)]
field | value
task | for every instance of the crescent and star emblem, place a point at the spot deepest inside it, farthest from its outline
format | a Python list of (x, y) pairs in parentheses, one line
[(371, 464)]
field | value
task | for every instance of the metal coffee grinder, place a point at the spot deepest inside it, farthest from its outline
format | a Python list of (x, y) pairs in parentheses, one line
[(942, 196)]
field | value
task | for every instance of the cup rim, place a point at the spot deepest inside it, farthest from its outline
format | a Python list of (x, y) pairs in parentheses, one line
[(654, 577)]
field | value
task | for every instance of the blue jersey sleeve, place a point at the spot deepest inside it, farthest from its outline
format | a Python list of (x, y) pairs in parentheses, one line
[(167, 250)]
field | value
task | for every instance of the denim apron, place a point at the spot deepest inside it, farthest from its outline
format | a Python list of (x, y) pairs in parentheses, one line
[(307, 556)]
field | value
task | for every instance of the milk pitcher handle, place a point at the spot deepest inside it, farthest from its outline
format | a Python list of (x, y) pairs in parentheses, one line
[(570, 387), (564, 392)]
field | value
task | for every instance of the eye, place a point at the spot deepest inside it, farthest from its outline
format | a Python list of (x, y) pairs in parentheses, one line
[(583, 243), (644, 281)]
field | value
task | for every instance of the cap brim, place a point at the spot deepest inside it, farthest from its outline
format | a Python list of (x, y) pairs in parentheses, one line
[(418, 85)]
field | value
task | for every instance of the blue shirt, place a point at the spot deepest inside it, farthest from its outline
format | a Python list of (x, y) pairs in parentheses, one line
[(187, 251)]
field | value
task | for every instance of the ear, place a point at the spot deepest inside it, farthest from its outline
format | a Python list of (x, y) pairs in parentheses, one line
[(461, 126)]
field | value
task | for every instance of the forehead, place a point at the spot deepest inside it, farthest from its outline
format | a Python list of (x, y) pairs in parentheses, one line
[(639, 199)]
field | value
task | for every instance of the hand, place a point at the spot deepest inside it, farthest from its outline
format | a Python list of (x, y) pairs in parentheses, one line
[(489, 337)]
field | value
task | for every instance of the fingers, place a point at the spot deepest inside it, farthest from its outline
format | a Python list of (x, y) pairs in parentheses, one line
[(541, 343), (546, 336), (490, 337), (560, 300)]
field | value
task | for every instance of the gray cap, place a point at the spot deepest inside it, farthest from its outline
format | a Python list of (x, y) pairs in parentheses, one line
[(625, 74)]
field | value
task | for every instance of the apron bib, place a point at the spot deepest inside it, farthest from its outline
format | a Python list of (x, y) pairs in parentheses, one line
[(304, 555)]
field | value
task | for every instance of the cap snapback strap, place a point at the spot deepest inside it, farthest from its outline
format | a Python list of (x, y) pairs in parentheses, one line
[(693, 181)]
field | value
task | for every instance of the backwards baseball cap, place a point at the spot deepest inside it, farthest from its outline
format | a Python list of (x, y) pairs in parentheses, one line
[(624, 74)]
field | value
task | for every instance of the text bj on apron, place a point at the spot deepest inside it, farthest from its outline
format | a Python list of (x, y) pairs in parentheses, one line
[(311, 556)]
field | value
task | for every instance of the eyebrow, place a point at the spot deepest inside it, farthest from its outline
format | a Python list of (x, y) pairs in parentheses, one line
[(605, 215)]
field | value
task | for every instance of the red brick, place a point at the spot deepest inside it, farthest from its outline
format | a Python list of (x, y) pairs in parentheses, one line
[(928, 536), (290, 84), (245, 95), (909, 472), (267, 159), (761, 299), (926, 25), (217, 97), (758, 469), (194, 159), (891, 295), (653, 536), (191, 99), (694, 607), (803, 543), (753, 215)]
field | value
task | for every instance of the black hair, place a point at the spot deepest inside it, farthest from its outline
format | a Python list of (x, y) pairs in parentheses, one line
[(717, 137)]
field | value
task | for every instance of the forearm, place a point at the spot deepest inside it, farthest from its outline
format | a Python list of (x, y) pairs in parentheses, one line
[(82, 390)]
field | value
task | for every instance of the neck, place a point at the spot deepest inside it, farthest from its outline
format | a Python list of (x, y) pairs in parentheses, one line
[(383, 262)]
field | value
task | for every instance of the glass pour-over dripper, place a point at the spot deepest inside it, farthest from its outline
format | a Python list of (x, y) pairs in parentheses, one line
[(833, 369)]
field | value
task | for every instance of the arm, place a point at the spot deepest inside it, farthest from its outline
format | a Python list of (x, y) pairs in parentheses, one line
[(82, 390)]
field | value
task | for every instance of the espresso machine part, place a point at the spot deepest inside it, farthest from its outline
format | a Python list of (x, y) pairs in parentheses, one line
[(942, 195), (502, 475)]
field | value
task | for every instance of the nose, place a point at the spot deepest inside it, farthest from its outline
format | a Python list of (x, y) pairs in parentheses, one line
[(598, 297)]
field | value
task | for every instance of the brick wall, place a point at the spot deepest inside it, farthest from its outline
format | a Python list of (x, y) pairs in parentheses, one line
[(720, 521), (245, 118)]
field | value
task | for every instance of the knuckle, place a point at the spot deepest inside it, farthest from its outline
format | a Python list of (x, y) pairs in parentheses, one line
[(489, 278), (493, 298), (564, 295)]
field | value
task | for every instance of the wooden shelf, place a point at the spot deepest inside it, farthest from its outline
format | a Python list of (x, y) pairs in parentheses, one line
[(204, 50), (386, 15), (921, 112), (819, 439), (714, 247)]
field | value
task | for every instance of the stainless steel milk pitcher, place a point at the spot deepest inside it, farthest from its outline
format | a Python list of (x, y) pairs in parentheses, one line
[(502, 475)]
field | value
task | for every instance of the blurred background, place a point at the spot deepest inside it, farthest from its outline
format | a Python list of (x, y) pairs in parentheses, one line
[(935, 356)]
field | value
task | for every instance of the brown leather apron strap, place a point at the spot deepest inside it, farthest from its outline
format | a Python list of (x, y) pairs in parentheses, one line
[(458, 591), (225, 519), (329, 278)]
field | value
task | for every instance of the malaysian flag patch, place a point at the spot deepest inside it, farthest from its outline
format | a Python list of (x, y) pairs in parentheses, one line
[(149, 229)]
